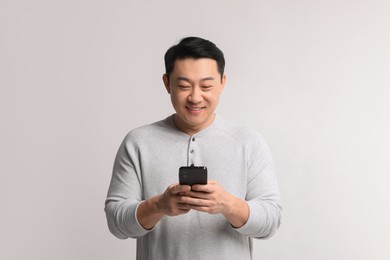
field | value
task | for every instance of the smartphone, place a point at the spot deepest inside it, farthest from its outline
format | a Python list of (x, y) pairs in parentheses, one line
[(192, 175)]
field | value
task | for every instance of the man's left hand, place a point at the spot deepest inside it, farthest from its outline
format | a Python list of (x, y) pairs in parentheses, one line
[(213, 199)]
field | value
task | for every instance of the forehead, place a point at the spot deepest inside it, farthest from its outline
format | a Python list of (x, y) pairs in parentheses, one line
[(195, 68)]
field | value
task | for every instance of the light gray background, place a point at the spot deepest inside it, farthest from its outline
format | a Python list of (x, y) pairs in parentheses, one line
[(312, 76)]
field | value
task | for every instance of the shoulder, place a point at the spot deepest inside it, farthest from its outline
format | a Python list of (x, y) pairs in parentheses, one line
[(147, 132), (250, 140), (241, 133)]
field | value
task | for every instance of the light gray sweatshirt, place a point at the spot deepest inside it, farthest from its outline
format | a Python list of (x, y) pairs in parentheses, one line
[(148, 161)]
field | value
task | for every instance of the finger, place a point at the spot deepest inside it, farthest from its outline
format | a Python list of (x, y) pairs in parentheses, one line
[(209, 187), (196, 194), (176, 188), (191, 201), (181, 211), (204, 188), (183, 206), (201, 208)]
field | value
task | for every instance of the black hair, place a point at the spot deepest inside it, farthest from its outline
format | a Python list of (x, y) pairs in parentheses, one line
[(196, 48)]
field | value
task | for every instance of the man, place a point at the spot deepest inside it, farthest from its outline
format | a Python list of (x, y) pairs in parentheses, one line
[(213, 221)]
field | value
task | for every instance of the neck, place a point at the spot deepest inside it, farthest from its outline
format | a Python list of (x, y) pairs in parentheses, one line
[(191, 129)]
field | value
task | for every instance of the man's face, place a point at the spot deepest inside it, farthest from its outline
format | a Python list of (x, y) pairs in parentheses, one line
[(195, 86)]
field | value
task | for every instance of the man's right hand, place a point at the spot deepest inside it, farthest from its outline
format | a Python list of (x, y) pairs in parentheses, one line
[(150, 211), (169, 202)]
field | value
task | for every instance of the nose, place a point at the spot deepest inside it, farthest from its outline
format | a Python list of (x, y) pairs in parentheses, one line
[(195, 95)]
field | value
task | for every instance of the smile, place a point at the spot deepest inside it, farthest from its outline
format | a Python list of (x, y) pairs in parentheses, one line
[(195, 109)]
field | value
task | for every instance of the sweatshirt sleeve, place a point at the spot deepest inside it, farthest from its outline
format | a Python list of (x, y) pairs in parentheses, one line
[(125, 194), (262, 196)]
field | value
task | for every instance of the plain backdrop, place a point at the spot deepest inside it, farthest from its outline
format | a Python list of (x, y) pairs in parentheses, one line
[(311, 76)]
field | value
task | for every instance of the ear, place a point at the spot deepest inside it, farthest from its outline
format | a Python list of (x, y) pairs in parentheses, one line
[(166, 83), (223, 81)]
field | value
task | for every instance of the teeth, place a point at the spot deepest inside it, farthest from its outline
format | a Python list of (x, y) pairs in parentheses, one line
[(195, 109)]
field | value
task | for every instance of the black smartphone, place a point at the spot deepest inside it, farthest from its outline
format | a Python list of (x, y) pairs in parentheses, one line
[(192, 175)]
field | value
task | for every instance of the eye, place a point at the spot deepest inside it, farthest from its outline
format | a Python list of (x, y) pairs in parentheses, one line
[(183, 87), (207, 88)]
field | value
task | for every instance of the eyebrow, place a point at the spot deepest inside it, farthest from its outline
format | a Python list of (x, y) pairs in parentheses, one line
[(188, 80)]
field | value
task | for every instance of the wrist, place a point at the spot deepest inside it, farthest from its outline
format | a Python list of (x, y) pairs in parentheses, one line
[(158, 205), (229, 205), (148, 213), (237, 212)]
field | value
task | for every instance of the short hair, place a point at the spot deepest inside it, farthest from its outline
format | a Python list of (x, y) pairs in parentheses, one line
[(196, 48)]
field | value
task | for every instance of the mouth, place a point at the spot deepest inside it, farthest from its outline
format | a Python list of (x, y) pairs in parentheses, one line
[(194, 109)]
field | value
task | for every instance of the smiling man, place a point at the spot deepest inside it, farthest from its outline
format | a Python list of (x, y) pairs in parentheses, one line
[(214, 221)]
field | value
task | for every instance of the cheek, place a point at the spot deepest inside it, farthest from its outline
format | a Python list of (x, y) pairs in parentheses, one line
[(177, 98), (212, 97)]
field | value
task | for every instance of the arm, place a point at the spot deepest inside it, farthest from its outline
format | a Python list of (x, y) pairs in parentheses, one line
[(262, 195), (152, 210), (124, 194), (127, 213), (127, 219)]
